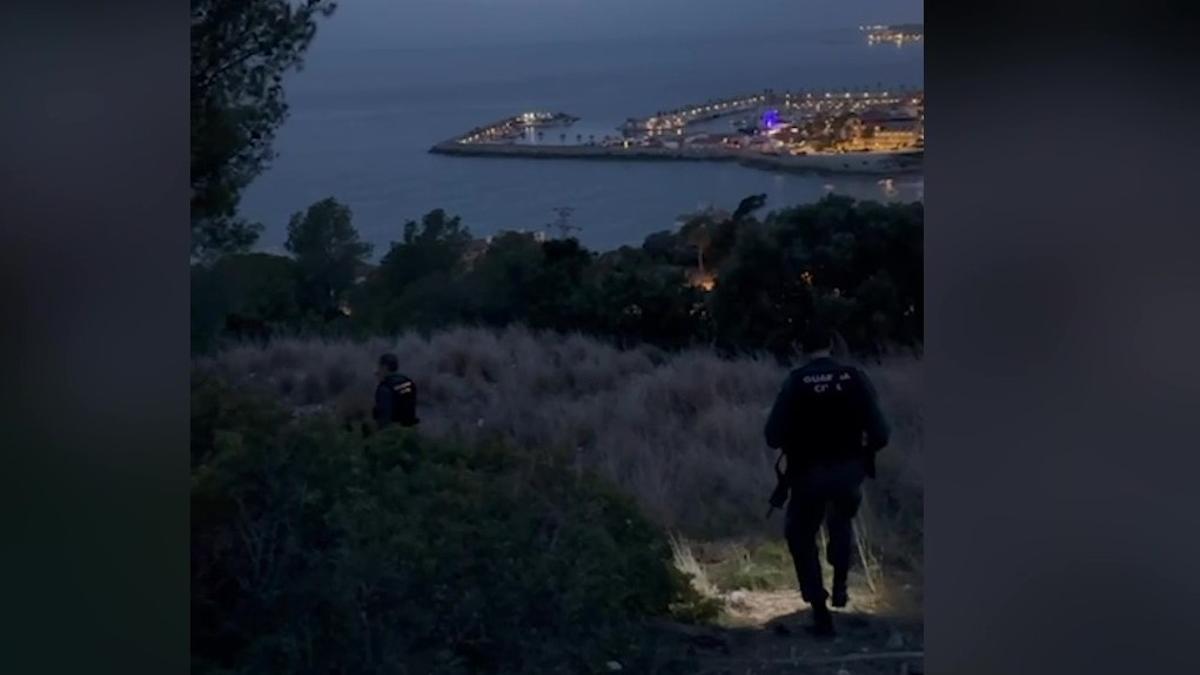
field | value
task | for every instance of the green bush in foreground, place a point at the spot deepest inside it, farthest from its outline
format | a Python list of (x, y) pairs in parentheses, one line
[(314, 551)]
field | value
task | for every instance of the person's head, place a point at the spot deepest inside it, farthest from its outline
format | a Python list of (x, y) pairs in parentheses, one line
[(816, 341), (388, 364)]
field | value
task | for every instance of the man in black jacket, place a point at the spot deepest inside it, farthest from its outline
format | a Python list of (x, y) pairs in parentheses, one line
[(396, 395), (828, 422)]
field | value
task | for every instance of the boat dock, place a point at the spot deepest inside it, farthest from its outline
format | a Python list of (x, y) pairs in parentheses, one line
[(843, 131)]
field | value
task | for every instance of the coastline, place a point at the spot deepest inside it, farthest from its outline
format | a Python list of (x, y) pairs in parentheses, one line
[(874, 163)]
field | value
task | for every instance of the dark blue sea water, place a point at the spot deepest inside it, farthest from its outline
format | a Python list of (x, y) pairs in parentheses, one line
[(362, 121)]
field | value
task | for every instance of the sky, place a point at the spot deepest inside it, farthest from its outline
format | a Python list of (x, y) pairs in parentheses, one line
[(383, 24)]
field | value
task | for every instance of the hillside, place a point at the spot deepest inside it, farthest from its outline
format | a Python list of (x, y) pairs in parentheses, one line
[(681, 432), (678, 432)]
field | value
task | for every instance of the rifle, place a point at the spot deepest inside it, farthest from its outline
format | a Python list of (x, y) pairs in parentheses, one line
[(779, 495)]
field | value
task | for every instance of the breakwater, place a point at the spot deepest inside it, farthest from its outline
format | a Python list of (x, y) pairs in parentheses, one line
[(874, 132), (849, 162)]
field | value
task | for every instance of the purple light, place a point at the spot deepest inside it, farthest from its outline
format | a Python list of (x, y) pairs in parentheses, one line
[(770, 119)]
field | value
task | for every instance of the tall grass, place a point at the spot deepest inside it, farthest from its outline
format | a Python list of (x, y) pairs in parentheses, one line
[(681, 432)]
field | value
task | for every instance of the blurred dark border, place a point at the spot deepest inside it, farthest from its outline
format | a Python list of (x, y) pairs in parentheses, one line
[(94, 291), (1061, 282), (1062, 296)]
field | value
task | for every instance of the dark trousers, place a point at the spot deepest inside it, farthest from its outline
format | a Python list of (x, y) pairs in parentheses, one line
[(829, 493)]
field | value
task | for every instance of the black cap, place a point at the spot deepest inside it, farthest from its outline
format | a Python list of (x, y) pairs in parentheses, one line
[(390, 362)]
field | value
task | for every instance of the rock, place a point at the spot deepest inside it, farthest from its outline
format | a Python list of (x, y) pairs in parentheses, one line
[(738, 599), (613, 666)]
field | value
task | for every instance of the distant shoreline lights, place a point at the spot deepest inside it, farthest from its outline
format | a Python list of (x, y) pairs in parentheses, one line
[(895, 34)]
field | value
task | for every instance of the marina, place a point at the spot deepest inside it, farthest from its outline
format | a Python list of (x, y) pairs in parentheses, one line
[(356, 133), (872, 132), (898, 35)]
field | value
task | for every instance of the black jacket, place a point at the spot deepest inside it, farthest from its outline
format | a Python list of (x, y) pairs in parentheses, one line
[(827, 411), (395, 402)]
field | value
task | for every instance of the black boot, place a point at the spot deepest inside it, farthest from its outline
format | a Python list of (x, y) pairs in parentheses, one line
[(839, 597), (822, 625)]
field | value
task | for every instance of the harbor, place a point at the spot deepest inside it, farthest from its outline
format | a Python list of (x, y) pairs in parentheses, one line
[(861, 131), (899, 34)]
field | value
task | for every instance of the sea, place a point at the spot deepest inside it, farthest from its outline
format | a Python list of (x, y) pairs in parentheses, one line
[(363, 119)]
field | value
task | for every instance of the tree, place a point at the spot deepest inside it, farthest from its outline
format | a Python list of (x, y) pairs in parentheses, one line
[(748, 205), (328, 253), (240, 51), (636, 300), (560, 301), (257, 287), (761, 301), (505, 279), (437, 244), (417, 283), (660, 246), (697, 232)]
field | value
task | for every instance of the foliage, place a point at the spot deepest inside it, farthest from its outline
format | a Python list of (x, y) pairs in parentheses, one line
[(506, 282), (328, 254), (255, 286), (637, 300), (680, 431), (760, 566), (258, 294), (414, 284), (736, 282), (240, 51), (316, 551), (436, 245), (759, 303)]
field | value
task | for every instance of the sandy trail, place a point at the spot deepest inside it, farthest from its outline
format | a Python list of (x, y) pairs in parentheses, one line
[(763, 634)]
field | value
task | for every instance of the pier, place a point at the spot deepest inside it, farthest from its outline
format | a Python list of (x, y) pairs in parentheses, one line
[(826, 131)]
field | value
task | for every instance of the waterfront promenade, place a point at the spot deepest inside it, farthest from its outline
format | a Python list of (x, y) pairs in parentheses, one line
[(848, 162), (673, 135)]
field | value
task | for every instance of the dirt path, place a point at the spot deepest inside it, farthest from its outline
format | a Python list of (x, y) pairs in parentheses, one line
[(763, 634)]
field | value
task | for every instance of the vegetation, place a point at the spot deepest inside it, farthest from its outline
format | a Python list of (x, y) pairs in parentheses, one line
[(725, 280), (764, 567), (522, 528), (679, 432), (327, 253), (240, 51), (316, 551)]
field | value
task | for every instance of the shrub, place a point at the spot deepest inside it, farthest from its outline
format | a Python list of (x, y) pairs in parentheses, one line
[(680, 432), (857, 266), (314, 550)]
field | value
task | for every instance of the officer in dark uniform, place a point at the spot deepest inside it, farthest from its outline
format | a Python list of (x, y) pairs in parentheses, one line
[(396, 395), (827, 421)]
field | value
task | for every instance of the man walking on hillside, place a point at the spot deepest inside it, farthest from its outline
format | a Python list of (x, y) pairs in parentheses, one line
[(396, 395), (828, 423)]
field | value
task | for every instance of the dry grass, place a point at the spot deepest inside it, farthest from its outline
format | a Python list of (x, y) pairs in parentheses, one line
[(681, 432)]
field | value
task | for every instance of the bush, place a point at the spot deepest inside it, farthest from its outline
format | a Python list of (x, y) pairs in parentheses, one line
[(314, 550), (679, 431), (857, 266)]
